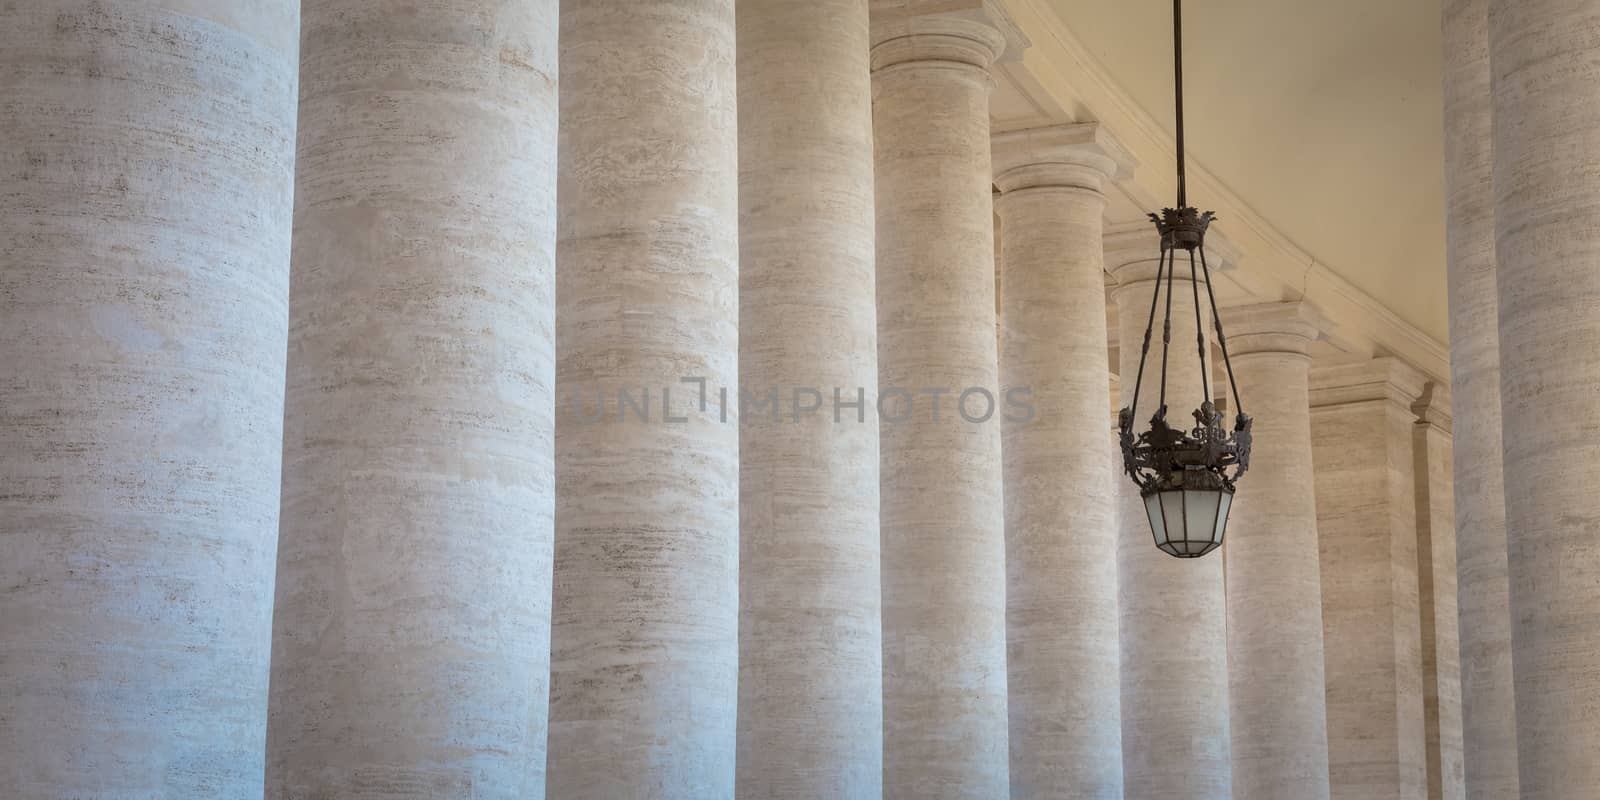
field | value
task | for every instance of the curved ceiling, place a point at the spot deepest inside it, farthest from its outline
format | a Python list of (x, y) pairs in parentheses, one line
[(1326, 118)]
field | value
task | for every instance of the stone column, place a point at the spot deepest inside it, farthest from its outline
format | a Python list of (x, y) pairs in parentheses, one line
[(1171, 611), (810, 633), (942, 516), (1061, 591), (1547, 128), (411, 639), (146, 184), (1361, 435), (1488, 707), (1275, 655), (1436, 559), (644, 650)]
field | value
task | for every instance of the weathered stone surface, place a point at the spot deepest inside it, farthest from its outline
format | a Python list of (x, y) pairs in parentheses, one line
[(1171, 611), (810, 631), (1361, 434), (411, 639), (644, 651), (1488, 703), (1275, 655), (942, 517), (1546, 131), (146, 178), (1061, 591)]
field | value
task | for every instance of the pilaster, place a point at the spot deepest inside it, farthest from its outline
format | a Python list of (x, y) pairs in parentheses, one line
[(1437, 560), (1365, 481)]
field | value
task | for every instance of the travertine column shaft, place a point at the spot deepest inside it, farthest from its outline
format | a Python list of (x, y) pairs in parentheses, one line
[(1171, 611), (1436, 558), (1488, 707), (942, 517), (810, 630), (1547, 190), (644, 651), (146, 182), (1361, 435), (411, 636), (1279, 715), (1061, 590)]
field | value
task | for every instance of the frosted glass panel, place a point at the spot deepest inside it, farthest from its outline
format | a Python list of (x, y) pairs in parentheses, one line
[(1201, 510), (1172, 509), (1152, 508)]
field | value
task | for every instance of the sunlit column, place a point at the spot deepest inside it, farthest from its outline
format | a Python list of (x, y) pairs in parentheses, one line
[(1061, 591), (146, 202), (944, 623), (1546, 187), (1275, 651), (810, 636), (411, 637), (1488, 707), (644, 640)]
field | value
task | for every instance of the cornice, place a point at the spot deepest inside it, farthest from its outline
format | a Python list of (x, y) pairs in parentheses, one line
[(1378, 379)]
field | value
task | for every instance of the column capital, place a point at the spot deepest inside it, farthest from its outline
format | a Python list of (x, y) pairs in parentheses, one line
[(1272, 328), (1133, 253), (978, 33), (1080, 155), (1383, 378)]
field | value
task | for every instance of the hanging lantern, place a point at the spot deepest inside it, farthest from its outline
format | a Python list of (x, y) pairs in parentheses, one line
[(1185, 475)]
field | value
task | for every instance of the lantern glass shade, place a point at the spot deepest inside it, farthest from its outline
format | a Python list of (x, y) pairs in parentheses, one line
[(1188, 523)]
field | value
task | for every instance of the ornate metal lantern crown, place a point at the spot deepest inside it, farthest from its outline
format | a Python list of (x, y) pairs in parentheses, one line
[(1185, 475)]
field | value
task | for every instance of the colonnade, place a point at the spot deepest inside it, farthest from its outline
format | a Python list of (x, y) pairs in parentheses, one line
[(510, 399)]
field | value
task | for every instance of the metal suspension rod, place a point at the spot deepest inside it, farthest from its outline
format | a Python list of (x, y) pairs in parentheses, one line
[(1177, 60), (1200, 328), (1149, 327), (1166, 330), (1222, 339)]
